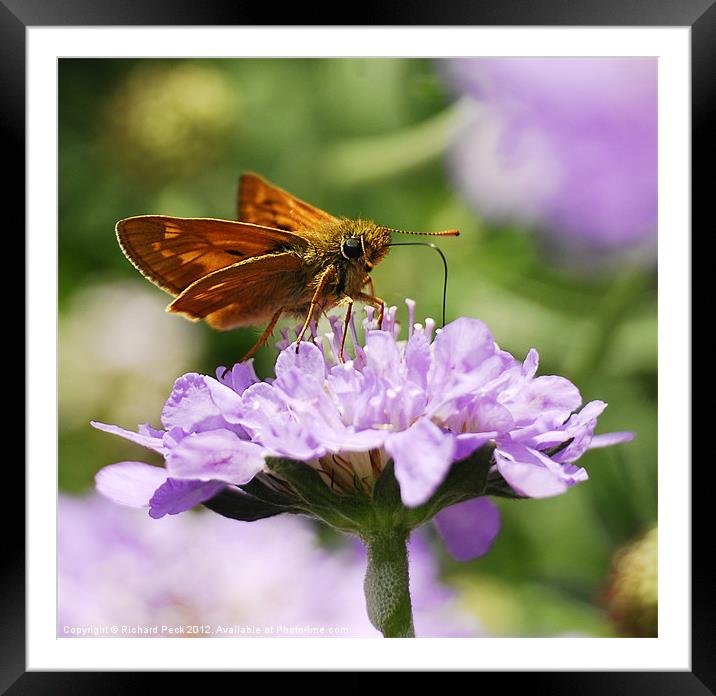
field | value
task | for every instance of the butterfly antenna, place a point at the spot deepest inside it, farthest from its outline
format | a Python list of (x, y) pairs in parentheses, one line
[(443, 233), (442, 256)]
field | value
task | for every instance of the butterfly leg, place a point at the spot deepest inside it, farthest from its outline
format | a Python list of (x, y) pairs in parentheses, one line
[(371, 286), (322, 282), (380, 304), (376, 302), (265, 335)]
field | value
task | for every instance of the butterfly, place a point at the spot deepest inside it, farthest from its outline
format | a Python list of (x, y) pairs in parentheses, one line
[(282, 257)]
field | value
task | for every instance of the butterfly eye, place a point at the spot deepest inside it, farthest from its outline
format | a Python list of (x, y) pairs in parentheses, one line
[(352, 248)]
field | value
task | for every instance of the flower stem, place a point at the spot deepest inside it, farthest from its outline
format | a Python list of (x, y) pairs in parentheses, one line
[(387, 583)]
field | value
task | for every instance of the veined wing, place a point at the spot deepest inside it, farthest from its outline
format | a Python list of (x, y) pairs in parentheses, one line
[(175, 252)]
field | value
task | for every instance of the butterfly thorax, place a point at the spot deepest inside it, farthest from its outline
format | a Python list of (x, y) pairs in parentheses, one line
[(351, 248)]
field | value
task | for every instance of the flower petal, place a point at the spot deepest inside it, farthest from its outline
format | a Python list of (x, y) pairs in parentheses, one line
[(422, 454), (226, 399), (463, 345), (141, 438), (240, 378), (451, 392), (543, 395), (149, 431), (608, 439), (305, 395), (260, 404), (418, 358), (469, 528), (177, 495), (272, 424), (530, 364), (130, 483), (467, 443), (350, 440), (589, 412), (488, 415), (532, 474), (191, 405), (309, 359), (219, 455), (580, 427), (382, 355)]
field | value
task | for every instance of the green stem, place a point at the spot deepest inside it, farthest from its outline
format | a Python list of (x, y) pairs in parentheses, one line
[(387, 583)]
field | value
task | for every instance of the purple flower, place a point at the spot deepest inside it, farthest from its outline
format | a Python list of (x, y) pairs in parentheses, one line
[(424, 403), (567, 145), (117, 567)]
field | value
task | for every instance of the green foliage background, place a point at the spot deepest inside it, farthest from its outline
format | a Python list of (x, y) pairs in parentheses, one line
[(366, 137)]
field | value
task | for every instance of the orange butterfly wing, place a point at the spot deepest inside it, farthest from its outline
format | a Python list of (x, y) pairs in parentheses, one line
[(175, 252), (246, 293), (262, 203)]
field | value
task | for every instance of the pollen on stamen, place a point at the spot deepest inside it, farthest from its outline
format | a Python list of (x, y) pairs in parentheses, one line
[(333, 344), (319, 343), (429, 328), (336, 325), (355, 343), (411, 316)]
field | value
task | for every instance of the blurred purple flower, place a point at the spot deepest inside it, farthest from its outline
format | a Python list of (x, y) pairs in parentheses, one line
[(116, 567), (567, 145), (423, 403)]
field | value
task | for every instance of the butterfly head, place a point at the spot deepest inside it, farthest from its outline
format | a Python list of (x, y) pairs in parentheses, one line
[(364, 243)]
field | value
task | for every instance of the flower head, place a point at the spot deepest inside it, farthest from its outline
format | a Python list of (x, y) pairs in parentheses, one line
[(421, 405), (118, 567), (564, 145), (631, 594)]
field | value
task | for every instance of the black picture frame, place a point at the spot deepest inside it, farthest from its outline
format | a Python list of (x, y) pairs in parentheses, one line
[(699, 15)]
